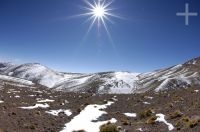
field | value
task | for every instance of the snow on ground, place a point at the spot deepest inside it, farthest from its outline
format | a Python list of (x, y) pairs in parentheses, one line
[(80, 80), (121, 82), (14, 91), (130, 114), (126, 77), (178, 73), (148, 97), (84, 121), (1, 101), (176, 67), (35, 71), (139, 129), (114, 98), (16, 80), (32, 95), (83, 79), (196, 91), (161, 118), (45, 100), (44, 75), (17, 96), (56, 112), (38, 91), (194, 62), (179, 78), (73, 82), (35, 106), (114, 90), (162, 86), (146, 103)]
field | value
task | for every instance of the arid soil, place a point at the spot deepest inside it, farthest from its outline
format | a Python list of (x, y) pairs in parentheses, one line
[(181, 107)]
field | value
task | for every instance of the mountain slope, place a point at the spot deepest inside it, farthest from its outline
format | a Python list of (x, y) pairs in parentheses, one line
[(34, 72), (107, 82), (183, 75), (179, 76)]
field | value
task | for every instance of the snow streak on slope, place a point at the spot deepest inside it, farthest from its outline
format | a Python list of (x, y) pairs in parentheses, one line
[(120, 82), (179, 76), (15, 80), (36, 73), (73, 83)]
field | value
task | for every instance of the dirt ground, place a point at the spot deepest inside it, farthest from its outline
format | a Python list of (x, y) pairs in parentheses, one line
[(181, 107)]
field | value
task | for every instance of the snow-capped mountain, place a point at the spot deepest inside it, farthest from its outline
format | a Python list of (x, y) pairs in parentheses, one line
[(35, 72), (179, 76), (105, 82), (121, 82)]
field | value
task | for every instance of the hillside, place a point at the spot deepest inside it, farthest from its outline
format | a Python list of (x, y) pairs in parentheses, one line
[(181, 76)]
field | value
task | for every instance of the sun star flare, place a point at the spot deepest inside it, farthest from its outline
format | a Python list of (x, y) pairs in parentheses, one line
[(99, 12)]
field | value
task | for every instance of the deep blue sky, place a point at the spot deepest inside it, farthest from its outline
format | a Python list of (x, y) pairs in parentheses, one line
[(149, 37)]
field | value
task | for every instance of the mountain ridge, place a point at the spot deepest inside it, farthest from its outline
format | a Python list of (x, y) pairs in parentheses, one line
[(182, 75)]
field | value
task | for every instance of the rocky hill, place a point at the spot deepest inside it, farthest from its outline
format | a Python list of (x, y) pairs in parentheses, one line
[(178, 76)]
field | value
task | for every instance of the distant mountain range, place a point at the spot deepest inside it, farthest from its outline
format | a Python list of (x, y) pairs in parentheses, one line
[(31, 74)]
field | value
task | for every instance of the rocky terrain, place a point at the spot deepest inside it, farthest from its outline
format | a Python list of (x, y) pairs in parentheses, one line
[(25, 109), (36, 98)]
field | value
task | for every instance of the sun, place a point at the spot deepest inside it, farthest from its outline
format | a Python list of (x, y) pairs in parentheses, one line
[(99, 12)]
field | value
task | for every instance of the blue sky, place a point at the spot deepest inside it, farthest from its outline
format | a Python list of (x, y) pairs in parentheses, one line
[(149, 37)]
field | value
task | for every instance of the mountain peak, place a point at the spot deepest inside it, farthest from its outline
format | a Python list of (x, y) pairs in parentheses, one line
[(195, 61)]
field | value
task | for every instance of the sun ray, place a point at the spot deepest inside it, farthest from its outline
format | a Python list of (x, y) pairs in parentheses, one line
[(99, 13), (108, 4), (109, 36), (89, 4), (113, 15), (107, 18), (91, 25)]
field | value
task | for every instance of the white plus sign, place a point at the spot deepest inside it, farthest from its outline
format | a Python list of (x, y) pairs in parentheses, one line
[(186, 14)]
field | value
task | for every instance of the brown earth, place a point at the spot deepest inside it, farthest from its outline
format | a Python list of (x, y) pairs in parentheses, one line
[(181, 107)]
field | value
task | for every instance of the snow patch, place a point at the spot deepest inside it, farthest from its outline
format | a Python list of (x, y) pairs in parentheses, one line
[(17, 96), (126, 77), (31, 95), (139, 129), (120, 82), (10, 73), (162, 85), (177, 66), (130, 114), (14, 91), (148, 97), (161, 118), (45, 100), (15, 80), (85, 120), (146, 103), (196, 91), (56, 112), (36, 106), (38, 91), (1, 101)]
